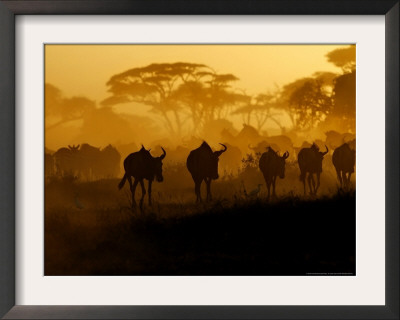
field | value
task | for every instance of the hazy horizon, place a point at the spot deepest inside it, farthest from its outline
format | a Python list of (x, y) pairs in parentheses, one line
[(82, 71)]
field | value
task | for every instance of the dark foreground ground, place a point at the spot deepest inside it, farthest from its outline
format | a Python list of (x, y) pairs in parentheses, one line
[(289, 237)]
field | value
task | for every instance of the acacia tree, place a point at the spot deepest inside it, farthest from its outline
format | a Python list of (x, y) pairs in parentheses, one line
[(259, 110), (210, 99), (308, 101), (343, 58), (344, 91), (154, 85), (344, 88), (309, 104), (62, 109), (323, 97), (175, 91), (344, 94)]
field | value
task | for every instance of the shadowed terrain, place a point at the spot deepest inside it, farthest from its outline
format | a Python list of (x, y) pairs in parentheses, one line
[(182, 164), (292, 236)]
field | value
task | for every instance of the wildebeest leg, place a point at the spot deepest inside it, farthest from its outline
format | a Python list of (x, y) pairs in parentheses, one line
[(143, 193), (273, 187), (304, 183), (348, 180), (268, 183), (133, 189), (197, 185), (149, 190), (339, 176), (310, 177), (208, 184), (313, 184), (318, 182), (344, 180)]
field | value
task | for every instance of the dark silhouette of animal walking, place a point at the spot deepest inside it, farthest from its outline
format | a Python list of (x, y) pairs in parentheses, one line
[(109, 166), (344, 159), (272, 166), (89, 161), (142, 165), (66, 161), (48, 165), (310, 161), (202, 164)]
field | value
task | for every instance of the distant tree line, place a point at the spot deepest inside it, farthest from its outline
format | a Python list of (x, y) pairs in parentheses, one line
[(194, 95)]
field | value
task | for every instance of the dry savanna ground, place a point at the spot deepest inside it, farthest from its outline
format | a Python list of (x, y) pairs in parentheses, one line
[(90, 228)]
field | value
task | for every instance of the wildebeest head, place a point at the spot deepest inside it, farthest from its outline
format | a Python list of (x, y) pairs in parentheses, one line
[(281, 165), (315, 148), (324, 153), (214, 162), (158, 166), (320, 157), (74, 148)]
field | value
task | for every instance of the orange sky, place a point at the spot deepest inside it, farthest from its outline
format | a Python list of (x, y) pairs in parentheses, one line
[(83, 70)]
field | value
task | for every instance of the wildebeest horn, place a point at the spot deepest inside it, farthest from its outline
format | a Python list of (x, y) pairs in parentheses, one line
[(218, 153), (164, 154), (324, 153), (285, 155)]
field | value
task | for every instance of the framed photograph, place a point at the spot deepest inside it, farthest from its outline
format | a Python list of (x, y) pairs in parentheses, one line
[(202, 160)]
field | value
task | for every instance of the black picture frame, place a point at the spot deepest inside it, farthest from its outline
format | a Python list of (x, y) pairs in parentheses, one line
[(8, 11)]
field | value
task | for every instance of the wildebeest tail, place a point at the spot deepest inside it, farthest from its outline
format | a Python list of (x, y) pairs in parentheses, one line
[(121, 184)]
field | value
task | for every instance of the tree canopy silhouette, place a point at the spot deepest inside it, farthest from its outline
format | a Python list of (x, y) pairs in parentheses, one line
[(62, 109), (343, 58), (175, 91), (155, 85), (308, 100), (344, 90), (260, 109)]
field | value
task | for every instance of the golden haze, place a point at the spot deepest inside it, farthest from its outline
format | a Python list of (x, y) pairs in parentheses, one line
[(83, 71)]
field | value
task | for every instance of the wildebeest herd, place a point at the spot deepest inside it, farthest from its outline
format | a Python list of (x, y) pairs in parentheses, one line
[(85, 161), (202, 163), (91, 163)]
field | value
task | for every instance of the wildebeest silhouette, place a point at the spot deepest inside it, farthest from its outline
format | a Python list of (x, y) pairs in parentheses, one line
[(310, 161), (142, 165), (272, 166), (279, 143), (110, 160), (261, 146), (283, 142), (232, 159), (246, 136), (48, 165), (84, 162), (344, 159), (66, 160), (89, 161), (335, 139), (202, 164)]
